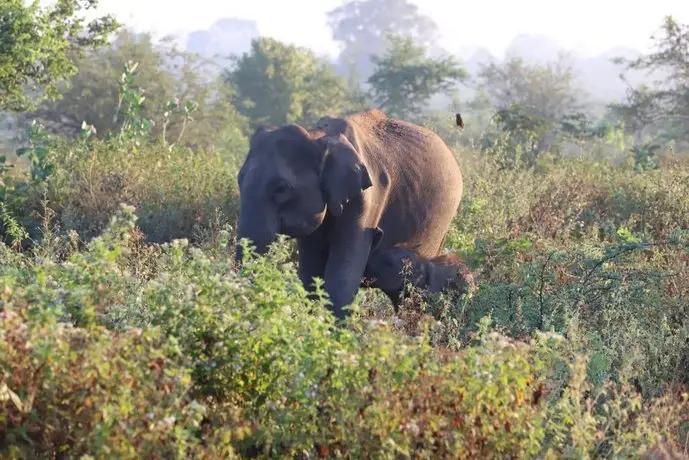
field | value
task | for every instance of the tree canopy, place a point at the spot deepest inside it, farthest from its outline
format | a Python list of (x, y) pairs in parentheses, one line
[(166, 75), (548, 91), (278, 83), (659, 112), (361, 27), (38, 48), (404, 78)]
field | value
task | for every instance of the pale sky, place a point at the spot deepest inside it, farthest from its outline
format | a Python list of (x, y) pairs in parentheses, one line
[(588, 26)]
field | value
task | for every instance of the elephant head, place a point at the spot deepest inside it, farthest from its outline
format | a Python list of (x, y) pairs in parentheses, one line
[(447, 272), (331, 124), (292, 179), (389, 269), (443, 273)]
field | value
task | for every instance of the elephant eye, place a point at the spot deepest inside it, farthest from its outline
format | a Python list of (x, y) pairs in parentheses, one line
[(282, 192)]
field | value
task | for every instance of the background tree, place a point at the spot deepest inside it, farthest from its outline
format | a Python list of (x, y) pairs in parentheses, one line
[(530, 99), (38, 48), (639, 112), (279, 84), (91, 95), (660, 113), (166, 74), (362, 26), (404, 78), (548, 90)]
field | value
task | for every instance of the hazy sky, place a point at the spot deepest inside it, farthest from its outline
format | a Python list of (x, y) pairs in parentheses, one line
[(589, 26)]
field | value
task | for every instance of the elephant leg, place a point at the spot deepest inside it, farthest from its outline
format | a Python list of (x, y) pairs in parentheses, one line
[(397, 299), (345, 266), (313, 255)]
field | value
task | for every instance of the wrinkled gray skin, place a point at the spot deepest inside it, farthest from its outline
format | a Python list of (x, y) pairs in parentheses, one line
[(328, 187), (391, 269)]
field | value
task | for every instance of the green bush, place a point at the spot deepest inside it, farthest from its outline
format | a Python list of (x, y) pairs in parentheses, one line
[(576, 343), (177, 192), (242, 363), (67, 390)]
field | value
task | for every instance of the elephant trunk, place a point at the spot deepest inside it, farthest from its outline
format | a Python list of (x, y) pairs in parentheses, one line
[(260, 228)]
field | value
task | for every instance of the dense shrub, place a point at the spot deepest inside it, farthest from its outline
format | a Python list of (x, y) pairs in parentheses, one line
[(135, 335), (175, 190), (74, 391), (178, 192), (95, 344)]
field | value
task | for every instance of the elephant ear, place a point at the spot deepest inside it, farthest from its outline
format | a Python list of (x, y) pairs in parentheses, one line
[(343, 173)]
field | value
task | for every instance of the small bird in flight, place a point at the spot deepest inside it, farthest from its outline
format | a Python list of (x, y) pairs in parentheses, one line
[(459, 121)]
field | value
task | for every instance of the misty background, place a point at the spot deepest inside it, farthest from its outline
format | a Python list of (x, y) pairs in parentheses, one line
[(598, 74), (591, 33), (539, 71)]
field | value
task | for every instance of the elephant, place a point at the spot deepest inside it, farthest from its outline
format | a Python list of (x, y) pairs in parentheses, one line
[(331, 186), (387, 270)]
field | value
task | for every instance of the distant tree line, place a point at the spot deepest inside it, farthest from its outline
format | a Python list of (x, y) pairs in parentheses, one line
[(58, 69)]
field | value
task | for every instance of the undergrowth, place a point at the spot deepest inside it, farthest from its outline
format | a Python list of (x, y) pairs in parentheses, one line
[(197, 358), (127, 331)]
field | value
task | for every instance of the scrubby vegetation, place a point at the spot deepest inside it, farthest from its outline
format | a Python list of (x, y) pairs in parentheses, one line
[(126, 330)]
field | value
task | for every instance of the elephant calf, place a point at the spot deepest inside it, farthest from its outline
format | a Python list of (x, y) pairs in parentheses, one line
[(389, 269)]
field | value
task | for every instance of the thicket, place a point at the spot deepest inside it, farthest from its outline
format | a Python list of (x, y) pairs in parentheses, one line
[(576, 343)]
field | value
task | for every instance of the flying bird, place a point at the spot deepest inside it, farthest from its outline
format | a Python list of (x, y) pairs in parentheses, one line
[(459, 121)]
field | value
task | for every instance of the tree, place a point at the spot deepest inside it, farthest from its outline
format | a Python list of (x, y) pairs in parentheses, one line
[(660, 113), (548, 91), (404, 78), (163, 73), (640, 112), (532, 100), (38, 48), (91, 94), (278, 84), (362, 26)]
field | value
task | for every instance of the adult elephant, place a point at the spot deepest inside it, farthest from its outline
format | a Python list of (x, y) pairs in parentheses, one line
[(331, 186)]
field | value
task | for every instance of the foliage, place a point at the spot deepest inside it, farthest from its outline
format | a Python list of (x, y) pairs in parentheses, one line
[(37, 47), (178, 194), (532, 101), (17, 187), (85, 180), (278, 84), (404, 79), (168, 87), (549, 90), (362, 28), (581, 128), (78, 391), (525, 132), (243, 362), (37, 152), (134, 126), (660, 113)]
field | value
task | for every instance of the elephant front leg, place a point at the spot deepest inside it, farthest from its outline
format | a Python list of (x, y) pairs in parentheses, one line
[(345, 266), (313, 255)]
